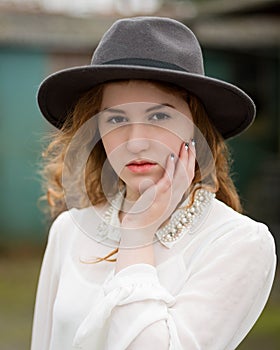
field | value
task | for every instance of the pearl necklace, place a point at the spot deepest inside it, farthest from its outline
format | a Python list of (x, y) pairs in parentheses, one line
[(183, 219), (181, 222)]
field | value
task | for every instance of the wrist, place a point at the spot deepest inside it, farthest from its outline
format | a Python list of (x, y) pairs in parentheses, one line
[(135, 255), (136, 238)]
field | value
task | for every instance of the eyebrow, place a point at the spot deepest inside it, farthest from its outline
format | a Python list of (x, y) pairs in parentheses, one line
[(154, 108), (113, 110)]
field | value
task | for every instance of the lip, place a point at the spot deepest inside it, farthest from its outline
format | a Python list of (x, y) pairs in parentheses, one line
[(140, 166)]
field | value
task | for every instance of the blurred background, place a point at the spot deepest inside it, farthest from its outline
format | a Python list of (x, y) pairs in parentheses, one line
[(241, 44)]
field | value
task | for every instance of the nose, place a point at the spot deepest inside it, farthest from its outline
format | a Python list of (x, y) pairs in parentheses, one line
[(137, 138)]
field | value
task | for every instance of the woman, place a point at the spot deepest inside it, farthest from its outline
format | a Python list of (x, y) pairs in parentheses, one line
[(142, 254)]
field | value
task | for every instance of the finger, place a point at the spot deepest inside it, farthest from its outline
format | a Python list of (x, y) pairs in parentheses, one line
[(192, 158), (148, 189), (145, 201), (166, 181), (170, 167), (183, 174), (181, 165)]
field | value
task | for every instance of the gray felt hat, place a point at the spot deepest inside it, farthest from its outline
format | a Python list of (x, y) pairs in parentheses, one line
[(153, 48)]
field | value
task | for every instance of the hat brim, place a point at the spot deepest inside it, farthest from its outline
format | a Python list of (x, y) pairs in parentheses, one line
[(230, 109)]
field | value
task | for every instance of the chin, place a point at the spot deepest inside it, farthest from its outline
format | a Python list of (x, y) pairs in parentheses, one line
[(135, 184), (133, 181)]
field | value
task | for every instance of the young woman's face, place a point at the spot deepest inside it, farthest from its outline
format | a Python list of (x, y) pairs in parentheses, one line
[(140, 126)]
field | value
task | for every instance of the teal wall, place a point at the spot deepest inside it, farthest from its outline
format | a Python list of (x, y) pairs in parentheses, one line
[(21, 126)]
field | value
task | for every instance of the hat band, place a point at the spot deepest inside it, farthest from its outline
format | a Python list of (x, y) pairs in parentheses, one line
[(146, 63)]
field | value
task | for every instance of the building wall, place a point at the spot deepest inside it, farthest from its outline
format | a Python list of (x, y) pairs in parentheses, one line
[(20, 72), (255, 153), (22, 128)]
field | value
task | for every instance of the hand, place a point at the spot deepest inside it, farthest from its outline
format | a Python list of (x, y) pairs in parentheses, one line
[(157, 203)]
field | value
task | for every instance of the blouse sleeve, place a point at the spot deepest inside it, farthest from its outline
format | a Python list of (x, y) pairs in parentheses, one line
[(223, 294), (46, 290)]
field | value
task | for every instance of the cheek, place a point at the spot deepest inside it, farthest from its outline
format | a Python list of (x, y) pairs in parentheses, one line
[(172, 142), (114, 149), (112, 141), (108, 146), (178, 131), (184, 131)]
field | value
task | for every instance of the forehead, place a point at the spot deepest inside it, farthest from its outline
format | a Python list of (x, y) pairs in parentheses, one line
[(118, 93)]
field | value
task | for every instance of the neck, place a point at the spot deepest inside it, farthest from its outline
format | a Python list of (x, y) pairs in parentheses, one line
[(131, 198)]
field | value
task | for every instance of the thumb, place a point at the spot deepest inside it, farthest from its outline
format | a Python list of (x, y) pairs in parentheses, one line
[(145, 184)]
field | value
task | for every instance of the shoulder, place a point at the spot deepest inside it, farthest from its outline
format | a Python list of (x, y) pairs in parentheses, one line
[(68, 217), (235, 229), (229, 241), (60, 232), (222, 214), (70, 221)]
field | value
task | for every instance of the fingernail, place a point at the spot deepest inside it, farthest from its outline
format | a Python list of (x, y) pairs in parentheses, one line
[(186, 146), (172, 156), (193, 142)]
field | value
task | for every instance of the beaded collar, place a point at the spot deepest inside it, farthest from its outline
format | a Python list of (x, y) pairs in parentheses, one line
[(181, 222)]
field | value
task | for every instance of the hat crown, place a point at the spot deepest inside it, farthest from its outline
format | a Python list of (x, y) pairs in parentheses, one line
[(148, 40), (149, 48)]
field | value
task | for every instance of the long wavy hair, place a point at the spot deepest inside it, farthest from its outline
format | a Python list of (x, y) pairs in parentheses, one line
[(213, 173)]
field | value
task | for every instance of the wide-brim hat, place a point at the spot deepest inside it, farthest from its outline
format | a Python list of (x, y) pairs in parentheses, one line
[(150, 48)]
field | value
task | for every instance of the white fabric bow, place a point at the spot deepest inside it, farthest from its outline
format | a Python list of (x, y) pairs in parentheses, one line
[(92, 332)]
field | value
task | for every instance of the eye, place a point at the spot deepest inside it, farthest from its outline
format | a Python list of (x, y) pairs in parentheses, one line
[(159, 116), (117, 119)]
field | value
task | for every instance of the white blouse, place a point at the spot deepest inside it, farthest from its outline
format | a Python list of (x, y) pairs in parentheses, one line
[(205, 293)]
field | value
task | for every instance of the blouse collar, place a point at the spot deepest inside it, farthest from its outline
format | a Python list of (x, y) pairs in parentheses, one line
[(183, 220)]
